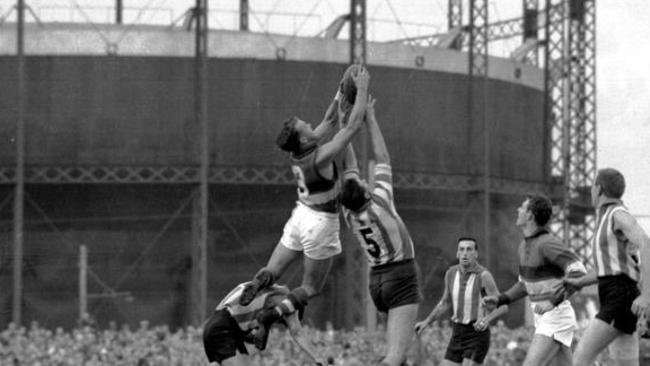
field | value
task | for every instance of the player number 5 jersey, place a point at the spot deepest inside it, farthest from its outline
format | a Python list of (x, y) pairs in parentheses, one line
[(379, 229)]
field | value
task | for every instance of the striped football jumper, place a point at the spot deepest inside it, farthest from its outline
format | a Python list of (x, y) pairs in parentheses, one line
[(379, 229), (613, 253), (244, 315), (466, 291)]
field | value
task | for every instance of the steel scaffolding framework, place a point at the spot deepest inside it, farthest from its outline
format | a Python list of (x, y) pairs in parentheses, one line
[(582, 129), (570, 113)]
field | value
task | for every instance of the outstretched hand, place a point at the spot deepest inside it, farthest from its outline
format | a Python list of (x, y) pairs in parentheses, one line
[(361, 79), (543, 308), (481, 324), (572, 284), (641, 306), (490, 302)]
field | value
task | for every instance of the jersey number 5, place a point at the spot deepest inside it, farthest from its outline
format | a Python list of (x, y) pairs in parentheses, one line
[(371, 245)]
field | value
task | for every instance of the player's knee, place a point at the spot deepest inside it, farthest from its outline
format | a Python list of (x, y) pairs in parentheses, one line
[(295, 302), (299, 297)]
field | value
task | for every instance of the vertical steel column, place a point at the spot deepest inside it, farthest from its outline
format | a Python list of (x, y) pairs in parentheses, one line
[(199, 247), (555, 71), (361, 309), (358, 32), (531, 12), (478, 70), (571, 107), (83, 281), (119, 11), (454, 20), (243, 15), (20, 167), (454, 14), (582, 115)]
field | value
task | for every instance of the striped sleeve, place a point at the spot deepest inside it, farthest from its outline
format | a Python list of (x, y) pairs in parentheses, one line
[(384, 182), (350, 173)]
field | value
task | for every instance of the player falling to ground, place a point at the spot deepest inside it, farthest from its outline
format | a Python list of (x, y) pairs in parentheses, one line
[(544, 262), (618, 244), (232, 326), (371, 215), (465, 284), (313, 229)]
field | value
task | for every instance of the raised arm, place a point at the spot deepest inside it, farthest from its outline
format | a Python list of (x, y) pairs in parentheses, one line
[(350, 165), (376, 137), (444, 307), (328, 123), (328, 151)]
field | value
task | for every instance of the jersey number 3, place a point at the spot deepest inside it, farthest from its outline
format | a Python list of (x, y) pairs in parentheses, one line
[(303, 191), (371, 245)]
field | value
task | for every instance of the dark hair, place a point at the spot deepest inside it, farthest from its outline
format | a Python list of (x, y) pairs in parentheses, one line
[(468, 238), (353, 195), (611, 181), (541, 208), (288, 139)]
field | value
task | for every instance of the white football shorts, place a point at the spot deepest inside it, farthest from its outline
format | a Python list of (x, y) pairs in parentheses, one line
[(558, 324), (315, 233)]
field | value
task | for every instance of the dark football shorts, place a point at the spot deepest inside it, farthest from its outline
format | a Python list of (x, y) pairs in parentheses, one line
[(394, 284), (222, 337), (467, 342), (616, 294)]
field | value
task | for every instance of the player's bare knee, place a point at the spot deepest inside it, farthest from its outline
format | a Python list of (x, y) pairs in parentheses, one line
[(295, 301)]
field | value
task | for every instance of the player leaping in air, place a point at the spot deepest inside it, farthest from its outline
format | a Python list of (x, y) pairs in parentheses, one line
[(313, 229), (370, 213)]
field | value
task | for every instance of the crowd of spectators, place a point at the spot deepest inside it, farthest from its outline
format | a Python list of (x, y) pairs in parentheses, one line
[(158, 345)]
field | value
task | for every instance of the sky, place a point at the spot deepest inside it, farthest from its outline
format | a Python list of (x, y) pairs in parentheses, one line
[(622, 73)]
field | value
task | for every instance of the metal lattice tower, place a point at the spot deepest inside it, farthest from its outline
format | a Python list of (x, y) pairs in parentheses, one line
[(531, 31), (478, 38), (454, 14), (455, 20), (582, 114), (571, 109), (358, 32), (478, 72)]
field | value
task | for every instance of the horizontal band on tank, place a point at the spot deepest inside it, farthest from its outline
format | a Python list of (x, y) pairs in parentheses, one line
[(80, 39), (239, 175)]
